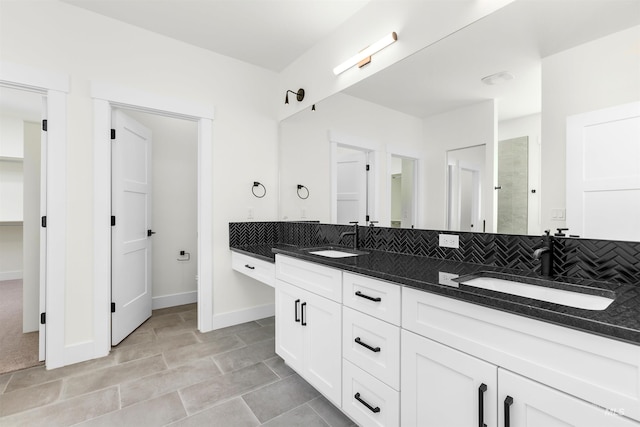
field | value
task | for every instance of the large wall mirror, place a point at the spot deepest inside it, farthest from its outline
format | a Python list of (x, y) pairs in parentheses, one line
[(483, 114)]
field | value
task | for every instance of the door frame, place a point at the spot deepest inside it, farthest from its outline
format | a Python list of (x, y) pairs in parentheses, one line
[(418, 178), (107, 96), (55, 86), (337, 139)]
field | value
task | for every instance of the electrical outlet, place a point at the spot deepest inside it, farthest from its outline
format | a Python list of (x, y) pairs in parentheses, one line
[(449, 241), (445, 278)]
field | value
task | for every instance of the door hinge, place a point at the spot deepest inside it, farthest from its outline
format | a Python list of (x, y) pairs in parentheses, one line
[(367, 168), (113, 307), (44, 125), (113, 134), (43, 221), (113, 220), (43, 318)]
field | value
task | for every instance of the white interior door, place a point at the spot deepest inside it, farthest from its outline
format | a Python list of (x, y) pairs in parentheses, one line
[(352, 188), (130, 236), (603, 173), (42, 303)]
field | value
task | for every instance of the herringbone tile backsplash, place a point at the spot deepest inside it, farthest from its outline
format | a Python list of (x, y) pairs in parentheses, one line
[(580, 258)]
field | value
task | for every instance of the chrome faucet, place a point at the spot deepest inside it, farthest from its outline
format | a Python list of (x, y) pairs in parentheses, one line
[(353, 233), (544, 255)]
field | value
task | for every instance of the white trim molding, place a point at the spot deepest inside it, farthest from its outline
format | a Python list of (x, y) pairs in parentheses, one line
[(106, 96), (173, 300), (11, 275), (231, 318), (54, 86)]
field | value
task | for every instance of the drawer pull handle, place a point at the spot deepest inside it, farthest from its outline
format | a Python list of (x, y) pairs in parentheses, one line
[(302, 310), (481, 390), (361, 295), (374, 349), (250, 267), (297, 319), (507, 403), (369, 407)]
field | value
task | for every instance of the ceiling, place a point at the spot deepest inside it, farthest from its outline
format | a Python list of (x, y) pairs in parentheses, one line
[(446, 75), (267, 33)]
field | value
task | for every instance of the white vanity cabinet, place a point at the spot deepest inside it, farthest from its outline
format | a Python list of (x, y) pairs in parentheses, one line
[(371, 350), (445, 387), (258, 269), (527, 403), (309, 325), (550, 372)]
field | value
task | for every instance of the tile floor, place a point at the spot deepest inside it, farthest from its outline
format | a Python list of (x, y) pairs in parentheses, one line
[(167, 373)]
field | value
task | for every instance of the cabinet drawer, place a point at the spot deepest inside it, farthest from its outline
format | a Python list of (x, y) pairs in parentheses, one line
[(373, 345), (367, 400), (258, 269), (320, 280), (374, 297)]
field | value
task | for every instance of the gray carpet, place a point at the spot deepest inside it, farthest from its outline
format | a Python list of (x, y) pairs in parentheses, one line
[(17, 350)]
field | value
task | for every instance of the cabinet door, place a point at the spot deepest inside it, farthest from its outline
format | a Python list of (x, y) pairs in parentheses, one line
[(444, 387), (531, 404), (322, 319), (289, 343)]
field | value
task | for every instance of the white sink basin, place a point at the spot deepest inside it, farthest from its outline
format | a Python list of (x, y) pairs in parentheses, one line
[(332, 253), (542, 293)]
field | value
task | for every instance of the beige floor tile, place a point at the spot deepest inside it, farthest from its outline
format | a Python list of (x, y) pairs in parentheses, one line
[(189, 315), (140, 351), (167, 381), (256, 335), (208, 393), (176, 309), (180, 356), (113, 375), (160, 321), (67, 412), (4, 380), (139, 336), (278, 366), (232, 413), (175, 328), (39, 375), (155, 412), (229, 330), (246, 356), (30, 397)]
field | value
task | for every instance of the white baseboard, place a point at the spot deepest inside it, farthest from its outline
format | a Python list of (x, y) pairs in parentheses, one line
[(231, 318), (10, 275), (172, 300)]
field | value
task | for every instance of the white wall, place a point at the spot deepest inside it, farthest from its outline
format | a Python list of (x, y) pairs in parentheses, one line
[(174, 207), (464, 127), (58, 36), (589, 77), (305, 151)]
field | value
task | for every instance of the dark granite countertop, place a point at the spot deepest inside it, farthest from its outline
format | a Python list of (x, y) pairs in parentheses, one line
[(620, 321)]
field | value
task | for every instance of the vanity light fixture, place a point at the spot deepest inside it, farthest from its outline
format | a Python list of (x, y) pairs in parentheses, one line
[(364, 56), (299, 95), (494, 79)]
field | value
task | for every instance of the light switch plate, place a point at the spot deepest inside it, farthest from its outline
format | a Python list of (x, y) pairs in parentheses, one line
[(449, 241)]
